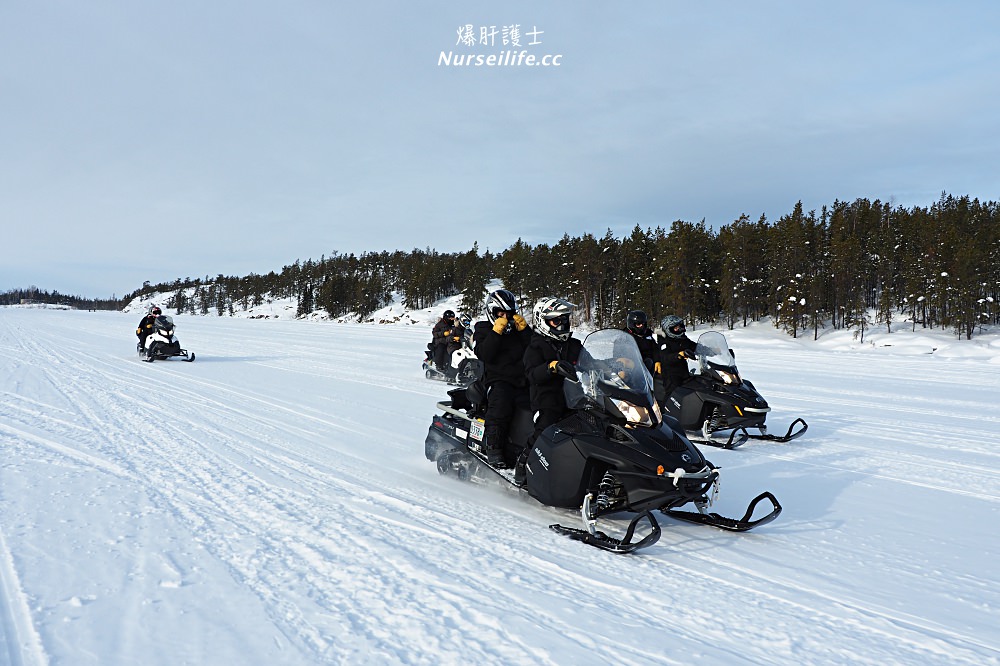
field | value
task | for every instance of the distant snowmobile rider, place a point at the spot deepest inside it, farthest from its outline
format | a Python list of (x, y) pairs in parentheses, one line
[(447, 335), (146, 325)]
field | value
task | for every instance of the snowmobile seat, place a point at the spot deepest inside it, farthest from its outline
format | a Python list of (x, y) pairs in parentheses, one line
[(471, 398)]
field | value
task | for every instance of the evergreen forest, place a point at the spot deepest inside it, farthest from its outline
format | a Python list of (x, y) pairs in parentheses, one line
[(859, 265)]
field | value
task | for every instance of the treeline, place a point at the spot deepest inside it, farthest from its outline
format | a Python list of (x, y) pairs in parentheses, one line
[(36, 295), (850, 265)]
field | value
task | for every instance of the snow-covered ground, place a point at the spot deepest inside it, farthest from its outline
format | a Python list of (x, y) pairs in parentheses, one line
[(270, 504)]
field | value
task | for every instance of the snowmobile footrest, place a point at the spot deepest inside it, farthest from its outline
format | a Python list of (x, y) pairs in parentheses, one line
[(742, 525)]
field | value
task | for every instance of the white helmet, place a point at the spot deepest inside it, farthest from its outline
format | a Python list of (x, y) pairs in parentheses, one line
[(550, 317)]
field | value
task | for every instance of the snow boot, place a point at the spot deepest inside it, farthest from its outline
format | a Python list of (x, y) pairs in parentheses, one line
[(493, 445), (520, 472)]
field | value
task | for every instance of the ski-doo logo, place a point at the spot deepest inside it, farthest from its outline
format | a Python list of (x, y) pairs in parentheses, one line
[(674, 400), (541, 458), (686, 458)]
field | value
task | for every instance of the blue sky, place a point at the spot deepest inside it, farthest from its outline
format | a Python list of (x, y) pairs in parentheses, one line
[(150, 141)]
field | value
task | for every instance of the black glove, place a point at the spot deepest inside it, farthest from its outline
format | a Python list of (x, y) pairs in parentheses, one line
[(566, 369)]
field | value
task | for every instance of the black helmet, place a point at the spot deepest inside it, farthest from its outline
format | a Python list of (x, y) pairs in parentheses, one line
[(155, 311), (449, 314), (673, 326), (501, 302), (636, 323)]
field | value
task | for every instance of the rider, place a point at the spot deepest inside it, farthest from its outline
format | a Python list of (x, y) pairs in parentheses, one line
[(637, 324), (447, 335), (146, 325), (500, 343), (552, 349), (675, 349)]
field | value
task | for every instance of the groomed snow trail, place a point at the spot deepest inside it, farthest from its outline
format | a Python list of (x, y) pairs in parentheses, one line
[(270, 503)]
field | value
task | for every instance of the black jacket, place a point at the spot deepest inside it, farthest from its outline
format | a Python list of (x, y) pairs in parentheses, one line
[(444, 334), (674, 366), (502, 355), (648, 349), (145, 326), (546, 387)]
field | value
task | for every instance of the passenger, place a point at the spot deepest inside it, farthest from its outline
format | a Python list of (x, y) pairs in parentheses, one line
[(500, 343)]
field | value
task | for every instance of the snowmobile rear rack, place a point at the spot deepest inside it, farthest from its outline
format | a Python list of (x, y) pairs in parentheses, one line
[(594, 537), (741, 525)]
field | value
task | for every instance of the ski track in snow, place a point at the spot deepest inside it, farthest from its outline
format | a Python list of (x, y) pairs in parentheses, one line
[(291, 456)]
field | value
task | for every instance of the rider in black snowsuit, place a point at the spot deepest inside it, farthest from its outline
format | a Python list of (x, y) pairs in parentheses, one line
[(447, 337), (146, 325), (500, 343), (675, 349)]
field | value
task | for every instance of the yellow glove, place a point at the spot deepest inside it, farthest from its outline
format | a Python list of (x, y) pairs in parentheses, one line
[(138, 331), (552, 366), (657, 368), (500, 325), (626, 363), (447, 333), (520, 323), (456, 338), (682, 354)]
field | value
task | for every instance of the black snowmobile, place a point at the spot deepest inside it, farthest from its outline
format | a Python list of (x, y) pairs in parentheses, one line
[(465, 366), (716, 398), (162, 344), (613, 454)]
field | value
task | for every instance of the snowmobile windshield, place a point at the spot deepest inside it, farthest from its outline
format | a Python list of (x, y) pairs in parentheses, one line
[(164, 323), (612, 375), (715, 355)]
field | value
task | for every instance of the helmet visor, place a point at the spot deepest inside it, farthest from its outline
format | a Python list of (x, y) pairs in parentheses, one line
[(500, 312), (559, 323)]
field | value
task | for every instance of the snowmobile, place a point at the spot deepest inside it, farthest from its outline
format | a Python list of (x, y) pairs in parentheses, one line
[(716, 398), (615, 452), (162, 344), (465, 367)]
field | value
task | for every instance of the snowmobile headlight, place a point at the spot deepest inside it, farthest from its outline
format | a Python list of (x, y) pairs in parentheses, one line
[(729, 377), (633, 413)]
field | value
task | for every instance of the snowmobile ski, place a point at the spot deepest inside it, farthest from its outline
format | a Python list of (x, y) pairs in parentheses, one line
[(787, 437), (740, 436), (591, 536), (733, 525)]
